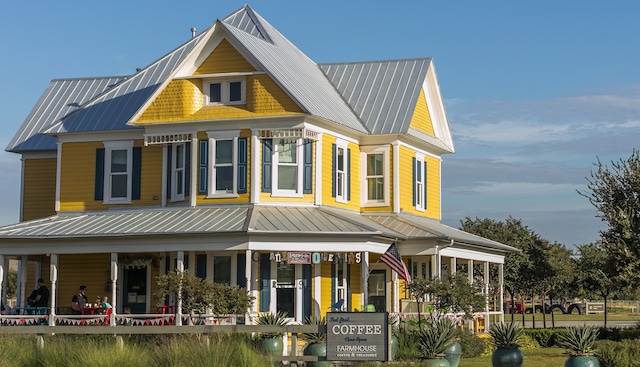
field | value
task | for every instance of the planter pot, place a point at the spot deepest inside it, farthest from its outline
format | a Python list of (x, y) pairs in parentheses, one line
[(320, 350), (393, 348), (453, 354), (272, 346), (436, 362), (507, 357), (582, 361)]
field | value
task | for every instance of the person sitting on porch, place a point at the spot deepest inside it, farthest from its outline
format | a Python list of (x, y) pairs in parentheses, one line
[(42, 295), (105, 303), (79, 301), (6, 310)]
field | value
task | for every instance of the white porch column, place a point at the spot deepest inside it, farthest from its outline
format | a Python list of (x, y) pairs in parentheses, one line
[(453, 263), (114, 288), (22, 281), (2, 281), (5, 277), (53, 277), (470, 269), (255, 285), (364, 281), (180, 269), (501, 290), (395, 293), (435, 265), (486, 295), (247, 271)]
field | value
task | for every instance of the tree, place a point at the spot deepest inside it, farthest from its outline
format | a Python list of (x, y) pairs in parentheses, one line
[(561, 284), (615, 192), (596, 273), (524, 271)]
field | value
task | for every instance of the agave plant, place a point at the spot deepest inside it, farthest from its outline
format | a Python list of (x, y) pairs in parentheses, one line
[(506, 335), (318, 337), (434, 339), (268, 318), (578, 340)]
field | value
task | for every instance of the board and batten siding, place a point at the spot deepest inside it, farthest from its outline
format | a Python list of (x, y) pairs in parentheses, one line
[(39, 188)]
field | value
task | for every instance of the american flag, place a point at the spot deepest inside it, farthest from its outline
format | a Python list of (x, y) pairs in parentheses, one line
[(392, 258)]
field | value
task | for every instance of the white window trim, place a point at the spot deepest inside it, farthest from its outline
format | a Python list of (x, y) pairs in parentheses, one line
[(212, 192), (175, 196), (274, 170), (110, 146), (342, 144), (224, 91), (419, 191), (364, 188)]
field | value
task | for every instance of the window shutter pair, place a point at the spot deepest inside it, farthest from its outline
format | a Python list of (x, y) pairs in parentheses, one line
[(267, 165), (203, 166), (136, 171)]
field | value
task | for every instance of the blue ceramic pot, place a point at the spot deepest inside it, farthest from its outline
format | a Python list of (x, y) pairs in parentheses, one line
[(507, 357), (453, 354), (582, 361)]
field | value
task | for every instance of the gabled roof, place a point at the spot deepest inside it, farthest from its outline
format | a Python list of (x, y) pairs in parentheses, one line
[(370, 98)]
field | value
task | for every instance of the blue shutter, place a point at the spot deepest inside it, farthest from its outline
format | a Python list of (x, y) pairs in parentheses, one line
[(168, 193), (413, 180), (308, 167), (99, 183), (266, 164), (306, 291), (187, 169), (265, 282), (348, 174), (334, 170), (242, 165), (136, 172), (425, 185), (203, 167), (240, 275)]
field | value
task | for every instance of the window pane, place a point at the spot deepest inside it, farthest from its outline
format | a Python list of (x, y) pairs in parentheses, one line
[(287, 177), (224, 178), (215, 92), (119, 186), (340, 159), (235, 91), (222, 269), (179, 156), (224, 151), (375, 188), (179, 182), (119, 160), (340, 183), (374, 165), (287, 151)]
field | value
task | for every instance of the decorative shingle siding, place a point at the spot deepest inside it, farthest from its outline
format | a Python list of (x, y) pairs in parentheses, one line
[(178, 101)]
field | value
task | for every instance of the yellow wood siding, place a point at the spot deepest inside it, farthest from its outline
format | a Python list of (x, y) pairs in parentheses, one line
[(327, 174), (421, 119), (325, 287), (224, 59), (406, 184), (183, 100), (77, 177), (91, 270), (355, 275), (39, 188)]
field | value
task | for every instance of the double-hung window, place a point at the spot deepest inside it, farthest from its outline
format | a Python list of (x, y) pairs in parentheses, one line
[(376, 179), (287, 161), (223, 164), (225, 92), (341, 171), (118, 172), (419, 182), (178, 164)]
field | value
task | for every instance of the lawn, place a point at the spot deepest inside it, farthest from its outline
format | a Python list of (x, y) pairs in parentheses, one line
[(538, 357)]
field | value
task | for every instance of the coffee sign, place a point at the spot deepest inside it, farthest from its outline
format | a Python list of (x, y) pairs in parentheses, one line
[(357, 336)]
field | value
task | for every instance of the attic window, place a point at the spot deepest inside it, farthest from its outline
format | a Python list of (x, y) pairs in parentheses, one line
[(221, 92)]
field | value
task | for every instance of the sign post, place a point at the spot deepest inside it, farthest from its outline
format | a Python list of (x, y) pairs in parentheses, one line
[(357, 336)]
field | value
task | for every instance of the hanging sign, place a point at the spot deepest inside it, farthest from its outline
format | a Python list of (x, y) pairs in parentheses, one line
[(299, 258)]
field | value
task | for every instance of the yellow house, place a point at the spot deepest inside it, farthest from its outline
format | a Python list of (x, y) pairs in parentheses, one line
[(237, 157)]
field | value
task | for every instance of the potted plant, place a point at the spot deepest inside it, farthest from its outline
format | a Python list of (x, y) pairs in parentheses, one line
[(434, 339), (578, 341), (506, 340), (316, 342), (271, 342)]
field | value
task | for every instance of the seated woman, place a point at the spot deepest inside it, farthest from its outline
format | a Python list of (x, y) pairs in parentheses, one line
[(105, 303)]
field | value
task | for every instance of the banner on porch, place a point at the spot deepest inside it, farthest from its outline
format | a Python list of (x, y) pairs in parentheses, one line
[(301, 257)]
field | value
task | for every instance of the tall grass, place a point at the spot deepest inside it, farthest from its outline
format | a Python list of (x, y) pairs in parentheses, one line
[(103, 351)]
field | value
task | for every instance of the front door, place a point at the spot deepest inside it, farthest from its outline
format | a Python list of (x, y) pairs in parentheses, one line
[(135, 289), (286, 289), (378, 290)]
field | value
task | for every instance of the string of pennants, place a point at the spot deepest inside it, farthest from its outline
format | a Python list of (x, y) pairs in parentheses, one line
[(34, 320)]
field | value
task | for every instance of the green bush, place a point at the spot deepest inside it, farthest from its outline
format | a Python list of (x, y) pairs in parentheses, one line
[(472, 345), (544, 337), (618, 353), (407, 347)]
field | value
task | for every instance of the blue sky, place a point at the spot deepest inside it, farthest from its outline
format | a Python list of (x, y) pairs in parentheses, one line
[(535, 91)]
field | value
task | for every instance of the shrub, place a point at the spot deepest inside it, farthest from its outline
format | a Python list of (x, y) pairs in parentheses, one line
[(544, 337), (407, 347), (618, 353), (472, 345)]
